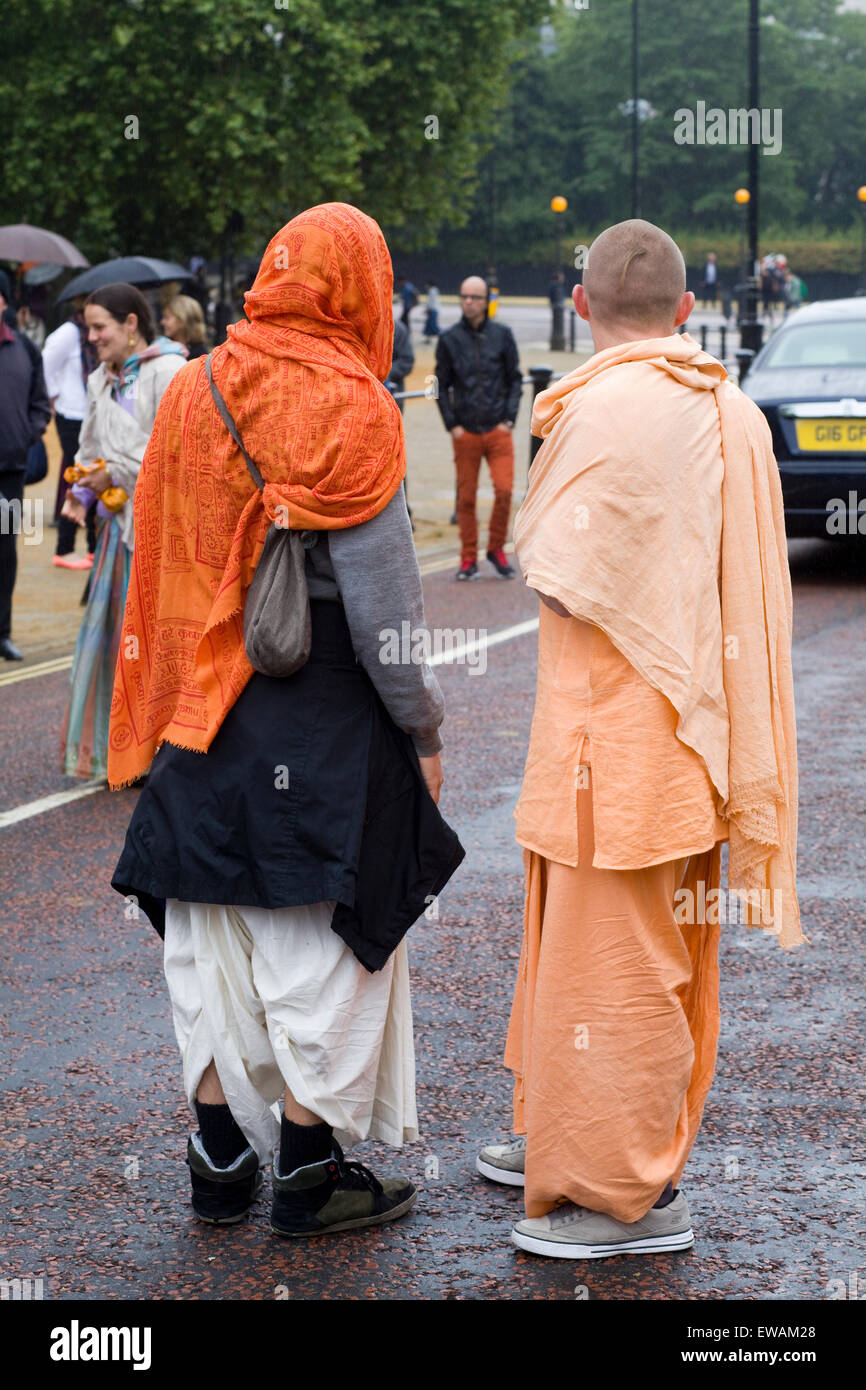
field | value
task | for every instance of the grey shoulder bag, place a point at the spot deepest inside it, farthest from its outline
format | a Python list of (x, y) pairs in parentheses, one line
[(277, 628)]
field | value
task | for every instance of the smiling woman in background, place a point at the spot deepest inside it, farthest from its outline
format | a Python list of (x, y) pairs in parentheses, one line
[(123, 395)]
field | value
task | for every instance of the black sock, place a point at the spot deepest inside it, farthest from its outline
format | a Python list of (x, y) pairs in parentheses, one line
[(666, 1198), (303, 1144), (221, 1135)]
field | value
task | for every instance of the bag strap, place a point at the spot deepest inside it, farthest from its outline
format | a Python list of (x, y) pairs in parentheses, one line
[(230, 424)]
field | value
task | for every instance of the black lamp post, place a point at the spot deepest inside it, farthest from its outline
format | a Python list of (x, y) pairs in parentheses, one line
[(557, 326), (750, 326), (635, 113)]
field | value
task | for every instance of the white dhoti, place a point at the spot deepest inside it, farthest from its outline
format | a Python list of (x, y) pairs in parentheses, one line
[(277, 999)]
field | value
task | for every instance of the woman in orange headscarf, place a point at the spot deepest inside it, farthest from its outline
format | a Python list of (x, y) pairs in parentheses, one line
[(288, 833)]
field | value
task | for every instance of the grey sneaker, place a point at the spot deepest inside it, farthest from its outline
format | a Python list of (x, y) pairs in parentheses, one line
[(336, 1195), (570, 1232), (504, 1162)]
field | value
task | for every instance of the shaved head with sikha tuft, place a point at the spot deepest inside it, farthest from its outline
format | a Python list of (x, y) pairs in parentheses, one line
[(635, 274)]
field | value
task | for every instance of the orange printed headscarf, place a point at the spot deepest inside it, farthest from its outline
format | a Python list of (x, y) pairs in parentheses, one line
[(303, 380)]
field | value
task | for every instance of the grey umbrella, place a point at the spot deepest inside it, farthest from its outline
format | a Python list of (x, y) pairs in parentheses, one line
[(22, 242), (128, 270), (42, 274)]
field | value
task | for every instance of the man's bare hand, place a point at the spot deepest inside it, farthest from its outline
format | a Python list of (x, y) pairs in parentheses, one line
[(554, 605), (457, 431), (431, 771)]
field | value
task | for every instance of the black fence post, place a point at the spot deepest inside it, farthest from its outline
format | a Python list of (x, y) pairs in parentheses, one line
[(724, 332), (703, 337), (540, 381), (745, 357), (572, 329)]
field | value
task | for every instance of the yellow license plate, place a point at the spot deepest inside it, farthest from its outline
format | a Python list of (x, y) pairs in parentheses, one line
[(831, 436)]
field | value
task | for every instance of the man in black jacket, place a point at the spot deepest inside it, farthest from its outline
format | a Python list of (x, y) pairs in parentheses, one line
[(24, 413), (479, 383)]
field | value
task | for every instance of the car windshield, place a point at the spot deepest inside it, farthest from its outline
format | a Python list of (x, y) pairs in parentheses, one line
[(840, 344)]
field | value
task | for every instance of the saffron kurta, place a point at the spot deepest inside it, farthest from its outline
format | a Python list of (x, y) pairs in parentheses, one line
[(664, 724)]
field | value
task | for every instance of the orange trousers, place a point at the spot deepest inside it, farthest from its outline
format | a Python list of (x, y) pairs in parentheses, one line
[(497, 446), (613, 1029)]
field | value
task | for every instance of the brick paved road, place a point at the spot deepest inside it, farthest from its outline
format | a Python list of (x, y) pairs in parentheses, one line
[(93, 1124)]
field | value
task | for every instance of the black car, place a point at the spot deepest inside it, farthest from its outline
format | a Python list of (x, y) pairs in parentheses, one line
[(810, 382)]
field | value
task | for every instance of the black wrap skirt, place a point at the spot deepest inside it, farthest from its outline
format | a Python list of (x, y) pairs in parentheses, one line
[(308, 792)]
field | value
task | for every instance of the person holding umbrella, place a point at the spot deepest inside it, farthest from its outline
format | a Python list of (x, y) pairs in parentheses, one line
[(123, 395)]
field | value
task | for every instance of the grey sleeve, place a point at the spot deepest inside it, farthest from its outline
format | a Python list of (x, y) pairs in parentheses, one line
[(376, 569)]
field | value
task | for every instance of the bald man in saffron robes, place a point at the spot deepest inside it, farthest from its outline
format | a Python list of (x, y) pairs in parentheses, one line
[(653, 532)]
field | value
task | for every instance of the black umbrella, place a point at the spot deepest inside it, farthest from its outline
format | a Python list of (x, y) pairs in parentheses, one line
[(128, 270)]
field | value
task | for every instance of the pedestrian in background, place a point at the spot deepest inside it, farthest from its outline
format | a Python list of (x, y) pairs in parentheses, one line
[(710, 280), (123, 395), (556, 290), (68, 359), (478, 392), (287, 835), (24, 413), (431, 321), (794, 290), (408, 298), (183, 322), (402, 362), (31, 326)]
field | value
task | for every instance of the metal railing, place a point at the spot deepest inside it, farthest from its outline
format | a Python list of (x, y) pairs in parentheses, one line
[(540, 377)]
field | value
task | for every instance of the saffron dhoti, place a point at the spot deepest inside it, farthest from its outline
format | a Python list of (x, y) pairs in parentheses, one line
[(613, 1029)]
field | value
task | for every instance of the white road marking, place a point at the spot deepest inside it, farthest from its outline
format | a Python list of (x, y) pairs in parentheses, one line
[(42, 668), (492, 640), (49, 803)]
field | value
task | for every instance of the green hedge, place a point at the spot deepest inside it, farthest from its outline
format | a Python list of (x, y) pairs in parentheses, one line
[(809, 250)]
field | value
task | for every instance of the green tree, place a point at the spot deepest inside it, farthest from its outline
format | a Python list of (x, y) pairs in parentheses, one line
[(565, 126), (141, 125)]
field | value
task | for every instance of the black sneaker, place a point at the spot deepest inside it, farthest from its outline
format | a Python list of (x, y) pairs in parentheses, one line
[(222, 1196), (336, 1195), (468, 570), (499, 561)]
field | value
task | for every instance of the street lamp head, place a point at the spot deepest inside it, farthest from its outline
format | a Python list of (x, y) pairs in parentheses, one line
[(861, 193), (742, 196), (559, 204)]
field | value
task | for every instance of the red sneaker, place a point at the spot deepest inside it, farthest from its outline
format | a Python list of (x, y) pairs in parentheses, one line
[(499, 561), (468, 570)]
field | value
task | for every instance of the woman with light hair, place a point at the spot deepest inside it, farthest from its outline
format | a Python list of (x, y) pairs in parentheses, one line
[(183, 322)]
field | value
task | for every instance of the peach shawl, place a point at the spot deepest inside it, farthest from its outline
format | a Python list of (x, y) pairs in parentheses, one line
[(654, 510), (303, 379)]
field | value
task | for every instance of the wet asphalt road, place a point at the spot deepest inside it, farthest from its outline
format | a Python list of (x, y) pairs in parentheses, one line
[(93, 1124)]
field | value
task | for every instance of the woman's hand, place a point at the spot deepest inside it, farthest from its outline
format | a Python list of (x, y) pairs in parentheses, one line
[(97, 480), (431, 771), (74, 510)]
